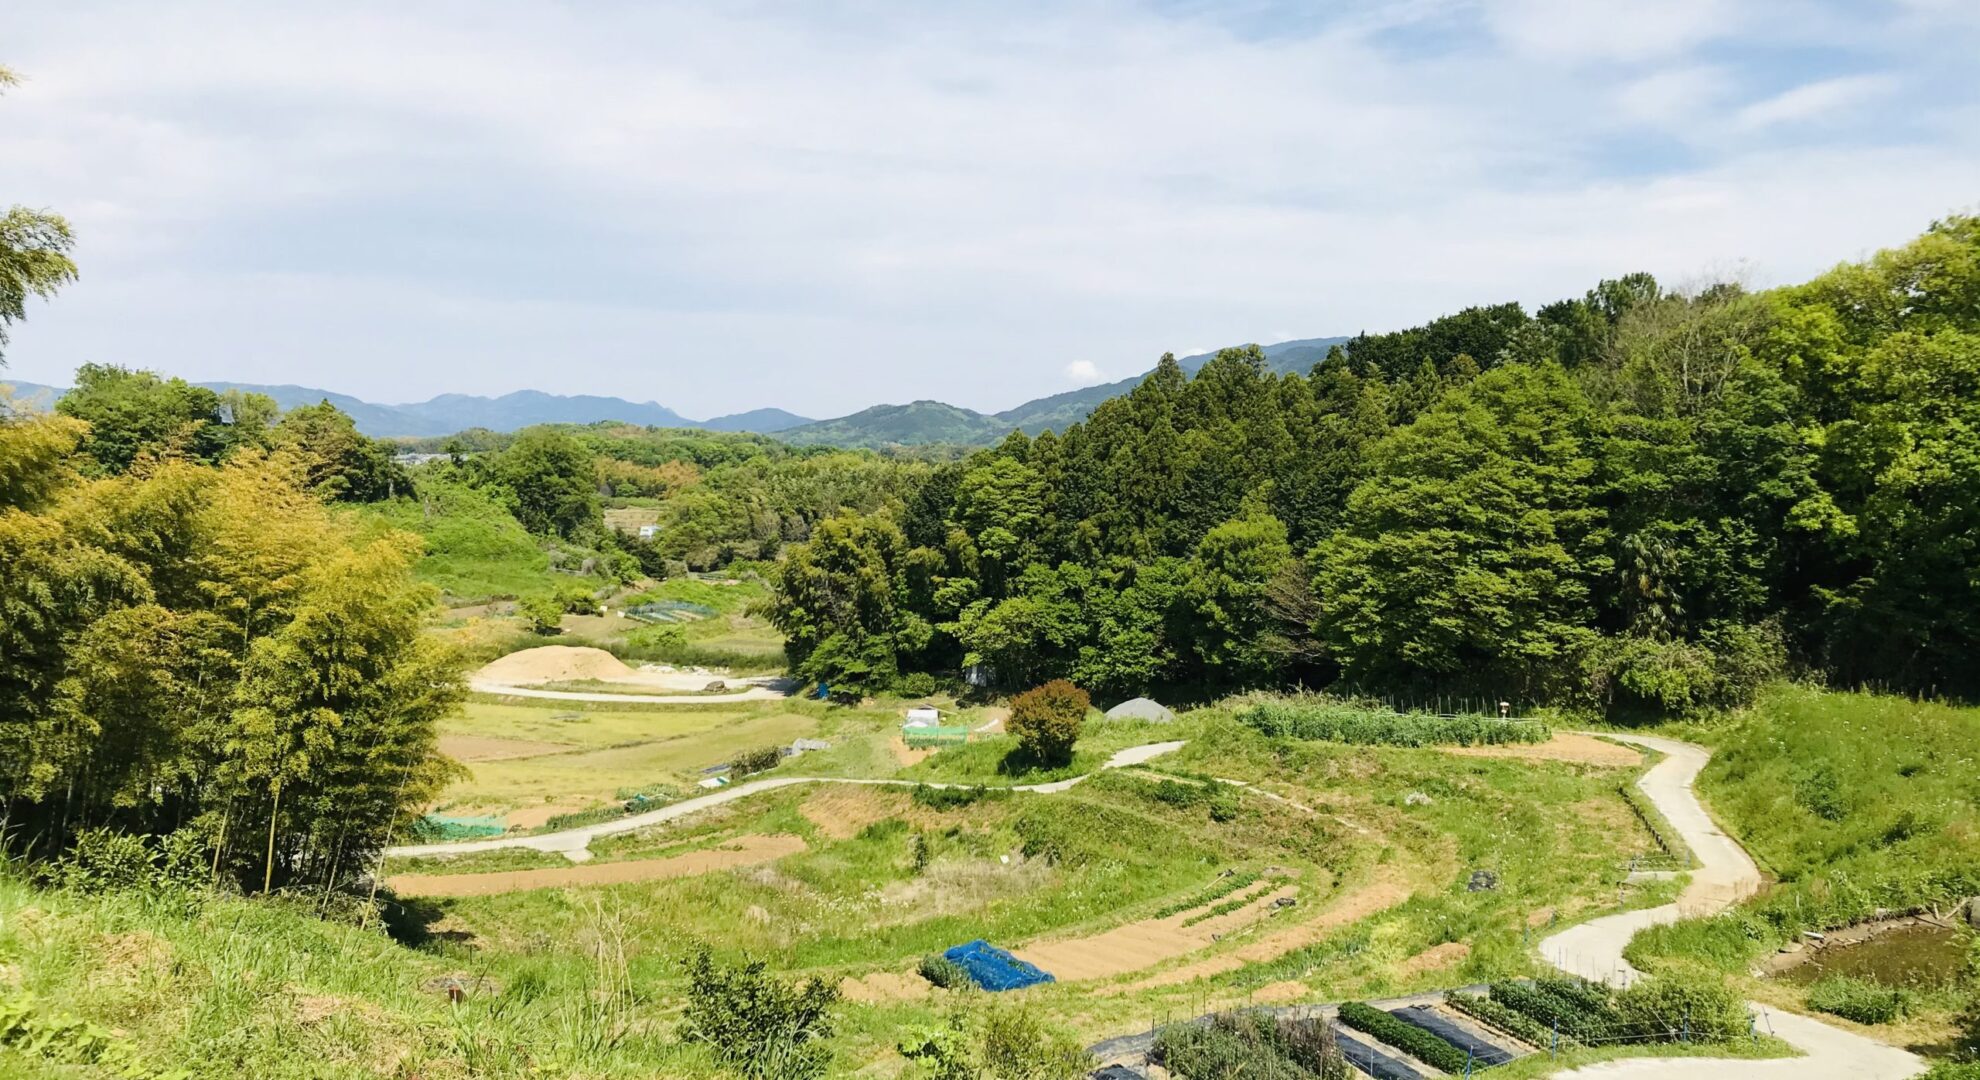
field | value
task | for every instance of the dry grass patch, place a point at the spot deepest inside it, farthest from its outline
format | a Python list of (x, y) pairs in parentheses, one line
[(747, 851), (1564, 746), (841, 810)]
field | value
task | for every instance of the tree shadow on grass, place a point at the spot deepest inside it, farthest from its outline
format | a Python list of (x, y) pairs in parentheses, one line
[(412, 920)]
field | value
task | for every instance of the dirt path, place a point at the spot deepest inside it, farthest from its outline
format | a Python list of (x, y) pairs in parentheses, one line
[(748, 851), (1143, 944), (575, 843), (1725, 875)]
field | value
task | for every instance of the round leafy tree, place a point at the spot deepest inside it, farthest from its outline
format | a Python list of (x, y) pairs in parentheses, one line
[(1046, 720)]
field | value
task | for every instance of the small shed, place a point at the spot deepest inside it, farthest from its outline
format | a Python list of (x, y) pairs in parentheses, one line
[(923, 716), (1141, 708)]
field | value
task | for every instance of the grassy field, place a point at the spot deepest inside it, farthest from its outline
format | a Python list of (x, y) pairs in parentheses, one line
[(1855, 803), (1410, 869)]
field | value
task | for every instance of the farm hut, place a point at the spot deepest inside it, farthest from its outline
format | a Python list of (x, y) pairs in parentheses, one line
[(1141, 708), (923, 716)]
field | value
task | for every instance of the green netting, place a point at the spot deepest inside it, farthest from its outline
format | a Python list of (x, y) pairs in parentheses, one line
[(935, 736), (449, 827)]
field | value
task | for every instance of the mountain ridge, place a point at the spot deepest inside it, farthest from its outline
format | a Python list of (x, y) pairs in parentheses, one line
[(916, 423)]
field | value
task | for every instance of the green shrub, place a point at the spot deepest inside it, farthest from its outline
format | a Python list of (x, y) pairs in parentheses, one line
[(943, 972), (1952, 1070), (1251, 1044), (952, 798), (1693, 1009), (1046, 721), (1422, 1045), (577, 599), (756, 1024), (1016, 1046), (1858, 1000), (61, 1039), (1556, 1013), (543, 611), (1333, 721), (917, 684), (757, 760)]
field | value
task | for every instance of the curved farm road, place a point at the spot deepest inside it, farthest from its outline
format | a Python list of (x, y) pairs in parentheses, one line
[(574, 844), (1725, 876)]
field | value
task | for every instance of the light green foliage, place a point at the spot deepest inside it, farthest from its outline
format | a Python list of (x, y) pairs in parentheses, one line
[(755, 1023), (136, 413), (474, 549), (1046, 721), (1251, 1044), (34, 253), (1346, 722), (1855, 999), (29, 1029)]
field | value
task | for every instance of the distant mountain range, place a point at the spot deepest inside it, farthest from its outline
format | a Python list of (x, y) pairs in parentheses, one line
[(918, 423)]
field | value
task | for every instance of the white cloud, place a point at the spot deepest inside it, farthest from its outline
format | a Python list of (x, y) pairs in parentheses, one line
[(1084, 372), (1816, 100), (722, 208)]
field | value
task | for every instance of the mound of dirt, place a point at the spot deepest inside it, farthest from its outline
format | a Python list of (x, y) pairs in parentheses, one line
[(555, 663)]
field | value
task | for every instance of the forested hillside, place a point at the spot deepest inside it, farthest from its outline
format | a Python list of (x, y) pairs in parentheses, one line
[(1639, 499)]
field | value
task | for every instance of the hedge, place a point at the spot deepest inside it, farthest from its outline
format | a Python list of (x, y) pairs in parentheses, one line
[(1410, 1039)]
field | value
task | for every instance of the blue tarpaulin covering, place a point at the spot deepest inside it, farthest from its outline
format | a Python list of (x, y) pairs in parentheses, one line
[(993, 968)]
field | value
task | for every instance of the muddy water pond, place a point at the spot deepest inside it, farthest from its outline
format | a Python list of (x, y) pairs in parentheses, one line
[(1914, 953)]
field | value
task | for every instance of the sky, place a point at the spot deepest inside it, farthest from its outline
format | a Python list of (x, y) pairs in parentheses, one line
[(823, 206)]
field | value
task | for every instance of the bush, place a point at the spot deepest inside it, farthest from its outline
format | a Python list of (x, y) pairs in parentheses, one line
[(577, 600), (1016, 1046), (758, 760), (756, 1024), (1422, 1045), (1251, 1044), (941, 971), (1046, 721), (917, 684), (543, 611), (952, 798), (1858, 1000), (1555, 1013), (1695, 1009), (1333, 721)]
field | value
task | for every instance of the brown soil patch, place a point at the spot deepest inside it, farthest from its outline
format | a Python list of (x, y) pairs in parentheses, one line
[(1541, 917), (884, 986), (535, 817), (555, 663), (1436, 958), (1564, 746), (128, 957), (1281, 993), (1387, 890), (907, 755), (1142, 944), (747, 851), (494, 748), (841, 810)]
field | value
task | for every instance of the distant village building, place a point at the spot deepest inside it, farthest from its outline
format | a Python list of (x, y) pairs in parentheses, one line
[(923, 716)]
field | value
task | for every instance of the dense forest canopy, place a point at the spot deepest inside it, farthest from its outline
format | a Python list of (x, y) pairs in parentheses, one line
[(1637, 499)]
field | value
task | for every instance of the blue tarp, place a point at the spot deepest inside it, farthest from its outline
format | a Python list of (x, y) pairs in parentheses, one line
[(993, 968)]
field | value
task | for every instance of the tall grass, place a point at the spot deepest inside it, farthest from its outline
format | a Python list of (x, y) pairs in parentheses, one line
[(1330, 720)]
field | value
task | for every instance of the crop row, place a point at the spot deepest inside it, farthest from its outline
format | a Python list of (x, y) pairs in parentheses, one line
[(1348, 724), (1511, 1021), (1215, 891), (1410, 1039), (1578, 1016)]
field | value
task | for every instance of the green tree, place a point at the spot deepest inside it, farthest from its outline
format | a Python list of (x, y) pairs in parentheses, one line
[(134, 413), (1469, 556), (34, 254), (1230, 576), (551, 479), (1046, 721), (338, 463)]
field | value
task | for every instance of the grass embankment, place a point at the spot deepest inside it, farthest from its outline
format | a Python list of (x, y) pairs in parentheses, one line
[(1857, 803)]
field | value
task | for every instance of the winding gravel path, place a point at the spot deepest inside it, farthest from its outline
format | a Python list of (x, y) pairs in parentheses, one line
[(574, 844), (1725, 875)]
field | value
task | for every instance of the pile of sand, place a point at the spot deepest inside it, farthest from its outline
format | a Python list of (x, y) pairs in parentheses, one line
[(555, 663)]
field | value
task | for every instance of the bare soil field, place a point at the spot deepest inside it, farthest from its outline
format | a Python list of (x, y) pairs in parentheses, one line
[(468, 748), (1564, 746), (746, 851), (1146, 943)]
